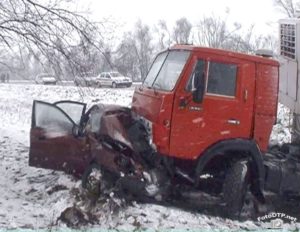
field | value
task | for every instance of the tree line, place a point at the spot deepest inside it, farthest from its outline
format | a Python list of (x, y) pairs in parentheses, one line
[(54, 37)]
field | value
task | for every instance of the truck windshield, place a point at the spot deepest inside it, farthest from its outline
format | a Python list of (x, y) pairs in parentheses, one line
[(166, 69)]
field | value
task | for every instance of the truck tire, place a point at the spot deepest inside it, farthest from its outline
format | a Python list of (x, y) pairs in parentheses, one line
[(235, 188), (114, 85)]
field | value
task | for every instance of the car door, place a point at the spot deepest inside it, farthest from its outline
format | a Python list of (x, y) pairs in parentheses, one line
[(54, 140), (225, 111), (109, 80), (102, 79)]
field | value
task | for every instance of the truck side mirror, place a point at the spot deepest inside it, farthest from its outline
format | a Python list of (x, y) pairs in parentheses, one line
[(198, 87)]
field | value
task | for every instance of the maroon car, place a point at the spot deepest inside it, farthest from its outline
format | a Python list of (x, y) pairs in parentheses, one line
[(64, 136)]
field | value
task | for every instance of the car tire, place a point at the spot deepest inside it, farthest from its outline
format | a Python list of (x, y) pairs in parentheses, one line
[(92, 178), (235, 188), (114, 85)]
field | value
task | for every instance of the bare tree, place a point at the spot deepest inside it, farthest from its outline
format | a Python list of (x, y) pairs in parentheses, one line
[(49, 30), (164, 35), (288, 7), (182, 30), (126, 60), (143, 47), (134, 54), (214, 32)]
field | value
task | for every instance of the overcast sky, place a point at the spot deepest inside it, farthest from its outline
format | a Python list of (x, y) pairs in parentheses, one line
[(262, 13)]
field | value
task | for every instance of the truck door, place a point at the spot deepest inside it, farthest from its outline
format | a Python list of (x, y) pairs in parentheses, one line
[(53, 143), (225, 110)]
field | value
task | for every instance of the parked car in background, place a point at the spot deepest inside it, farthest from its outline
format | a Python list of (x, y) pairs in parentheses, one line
[(85, 81), (45, 78), (113, 79)]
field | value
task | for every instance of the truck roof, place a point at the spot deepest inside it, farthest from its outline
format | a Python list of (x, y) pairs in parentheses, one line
[(222, 52)]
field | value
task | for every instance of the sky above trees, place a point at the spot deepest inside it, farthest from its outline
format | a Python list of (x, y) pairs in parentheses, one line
[(262, 13)]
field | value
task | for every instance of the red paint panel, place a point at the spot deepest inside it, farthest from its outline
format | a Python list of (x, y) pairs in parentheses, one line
[(193, 131), (155, 106), (262, 131), (265, 103), (65, 153)]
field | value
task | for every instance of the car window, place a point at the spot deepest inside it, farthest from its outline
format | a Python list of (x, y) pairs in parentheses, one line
[(107, 76), (94, 121), (222, 79), (54, 122), (73, 109)]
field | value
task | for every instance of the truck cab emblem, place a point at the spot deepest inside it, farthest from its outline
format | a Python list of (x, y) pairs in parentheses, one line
[(195, 108)]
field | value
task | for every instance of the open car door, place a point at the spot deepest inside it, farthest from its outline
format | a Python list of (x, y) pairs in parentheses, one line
[(54, 140)]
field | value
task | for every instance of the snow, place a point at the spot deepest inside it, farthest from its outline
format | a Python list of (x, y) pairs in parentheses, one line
[(281, 132), (33, 198)]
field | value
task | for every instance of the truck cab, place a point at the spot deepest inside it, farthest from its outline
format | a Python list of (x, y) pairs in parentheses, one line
[(193, 98)]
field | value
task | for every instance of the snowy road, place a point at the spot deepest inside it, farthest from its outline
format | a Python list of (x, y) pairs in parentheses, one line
[(34, 198)]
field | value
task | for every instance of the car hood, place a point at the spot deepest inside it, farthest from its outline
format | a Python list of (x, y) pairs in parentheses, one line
[(121, 124), (114, 123)]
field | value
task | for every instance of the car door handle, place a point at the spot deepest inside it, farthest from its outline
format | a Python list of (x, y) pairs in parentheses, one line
[(233, 122)]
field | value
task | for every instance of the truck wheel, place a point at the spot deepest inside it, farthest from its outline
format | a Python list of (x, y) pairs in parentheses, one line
[(91, 179), (114, 85), (235, 188)]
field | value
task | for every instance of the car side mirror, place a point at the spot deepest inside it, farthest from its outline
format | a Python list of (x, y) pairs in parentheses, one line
[(198, 87)]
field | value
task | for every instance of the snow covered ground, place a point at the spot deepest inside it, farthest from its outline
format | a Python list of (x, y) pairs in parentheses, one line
[(34, 198)]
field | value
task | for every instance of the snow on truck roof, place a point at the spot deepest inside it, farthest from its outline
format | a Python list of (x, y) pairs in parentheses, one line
[(222, 52)]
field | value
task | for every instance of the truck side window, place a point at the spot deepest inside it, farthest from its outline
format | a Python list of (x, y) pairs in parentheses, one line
[(222, 79), (199, 69)]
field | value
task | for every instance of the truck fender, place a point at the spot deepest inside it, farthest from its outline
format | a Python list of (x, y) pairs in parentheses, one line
[(237, 145)]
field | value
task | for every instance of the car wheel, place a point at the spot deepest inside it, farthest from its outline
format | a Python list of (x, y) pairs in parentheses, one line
[(114, 85), (91, 179), (235, 189)]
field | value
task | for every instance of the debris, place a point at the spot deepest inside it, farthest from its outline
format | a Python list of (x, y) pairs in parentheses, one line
[(56, 188)]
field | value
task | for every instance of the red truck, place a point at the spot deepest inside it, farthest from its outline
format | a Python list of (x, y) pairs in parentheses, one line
[(201, 120)]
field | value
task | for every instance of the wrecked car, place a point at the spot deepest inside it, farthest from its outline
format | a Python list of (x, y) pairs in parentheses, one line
[(65, 136)]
